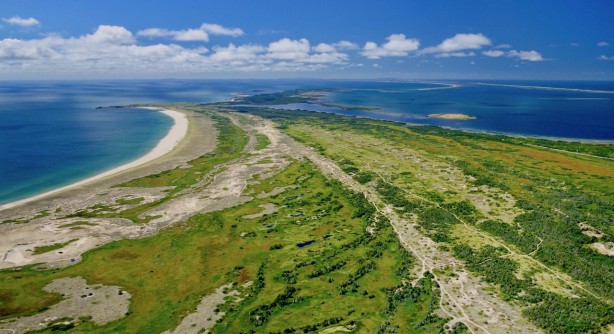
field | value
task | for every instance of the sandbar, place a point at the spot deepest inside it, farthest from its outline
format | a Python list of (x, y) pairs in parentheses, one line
[(174, 136), (461, 117)]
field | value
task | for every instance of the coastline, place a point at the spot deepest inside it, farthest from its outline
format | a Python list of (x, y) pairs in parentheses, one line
[(174, 136)]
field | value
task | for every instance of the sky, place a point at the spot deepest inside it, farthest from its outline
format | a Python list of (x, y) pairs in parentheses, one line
[(335, 39)]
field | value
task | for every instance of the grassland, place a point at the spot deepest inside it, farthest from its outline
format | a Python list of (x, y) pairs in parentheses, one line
[(469, 192), (167, 274)]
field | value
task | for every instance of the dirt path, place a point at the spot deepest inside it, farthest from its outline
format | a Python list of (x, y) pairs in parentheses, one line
[(465, 298)]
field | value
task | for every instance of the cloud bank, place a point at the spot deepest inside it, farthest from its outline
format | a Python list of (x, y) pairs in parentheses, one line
[(110, 50)]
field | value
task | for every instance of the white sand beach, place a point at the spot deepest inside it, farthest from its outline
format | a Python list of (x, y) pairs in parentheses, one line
[(165, 145)]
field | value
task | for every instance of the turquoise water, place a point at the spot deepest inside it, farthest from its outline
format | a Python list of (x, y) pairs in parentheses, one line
[(51, 134), (51, 145)]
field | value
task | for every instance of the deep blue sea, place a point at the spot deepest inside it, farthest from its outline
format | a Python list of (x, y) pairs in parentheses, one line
[(585, 111), (51, 134)]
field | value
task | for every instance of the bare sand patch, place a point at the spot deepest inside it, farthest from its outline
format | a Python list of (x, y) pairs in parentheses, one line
[(268, 208), (205, 317), (605, 248), (102, 304)]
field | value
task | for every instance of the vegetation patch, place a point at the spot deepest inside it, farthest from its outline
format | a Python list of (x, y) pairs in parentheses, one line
[(49, 248)]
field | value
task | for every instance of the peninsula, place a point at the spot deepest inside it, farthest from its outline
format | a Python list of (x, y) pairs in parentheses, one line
[(289, 221)]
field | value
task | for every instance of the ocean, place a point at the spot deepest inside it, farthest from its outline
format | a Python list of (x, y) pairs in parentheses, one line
[(51, 134), (573, 110)]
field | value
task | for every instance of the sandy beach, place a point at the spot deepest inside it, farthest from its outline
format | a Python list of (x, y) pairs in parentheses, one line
[(174, 136)]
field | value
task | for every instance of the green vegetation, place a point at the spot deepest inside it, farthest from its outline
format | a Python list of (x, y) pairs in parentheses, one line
[(345, 107), (130, 201), (262, 141), (49, 248), (554, 192), (78, 225), (41, 214), (167, 274)]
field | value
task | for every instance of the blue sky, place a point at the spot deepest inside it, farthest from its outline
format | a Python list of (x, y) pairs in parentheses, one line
[(496, 39)]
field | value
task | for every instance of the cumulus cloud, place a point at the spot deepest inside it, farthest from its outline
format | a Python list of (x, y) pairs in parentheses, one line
[(460, 42), (298, 51), (525, 55), (237, 53), (111, 50), (604, 57), (114, 50), (18, 21), (289, 49), (200, 34), (522, 55), (398, 45), (493, 53), (110, 34), (346, 45), (323, 47), (603, 43)]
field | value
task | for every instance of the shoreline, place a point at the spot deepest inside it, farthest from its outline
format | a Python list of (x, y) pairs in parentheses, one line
[(173, 137), (462, 129)]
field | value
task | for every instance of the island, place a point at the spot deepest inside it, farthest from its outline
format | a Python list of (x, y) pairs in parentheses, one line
[(458, 117)]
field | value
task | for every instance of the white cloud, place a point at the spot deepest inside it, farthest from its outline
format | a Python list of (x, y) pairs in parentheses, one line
[(604, 57), (397, 46), (522, 55), (493, 53), (503, 46), (113, 50), (288, 49), (216, 29), (574, 44), (323, 47), (247, 52), (603, 43), (178, 35), (110, 34), (196, 35), (454, 54), (346, 45), (460, 42), (18, 21), (525, 55), (191, 35)]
